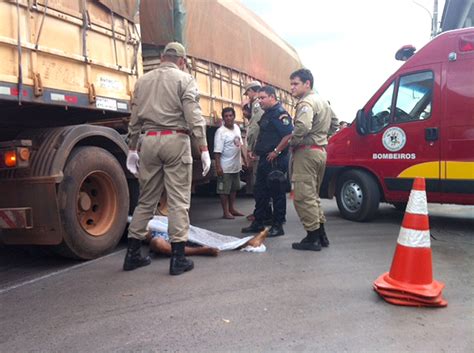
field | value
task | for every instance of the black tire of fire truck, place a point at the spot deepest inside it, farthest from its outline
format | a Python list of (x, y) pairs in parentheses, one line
[(94, 201), (357, 195)]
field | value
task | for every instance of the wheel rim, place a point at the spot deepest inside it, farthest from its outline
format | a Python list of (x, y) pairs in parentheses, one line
[(352, 196), (97, 204)]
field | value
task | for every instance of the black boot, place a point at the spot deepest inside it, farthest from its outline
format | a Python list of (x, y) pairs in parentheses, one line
[(134, 258), (179, 263), (310, 242), (276, 230), (323, 237), (268, 222), (255, 227)]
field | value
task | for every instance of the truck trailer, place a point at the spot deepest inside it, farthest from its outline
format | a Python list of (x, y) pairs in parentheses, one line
[(66, 81)]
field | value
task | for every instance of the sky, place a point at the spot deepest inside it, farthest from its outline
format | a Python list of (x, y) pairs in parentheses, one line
[(349, 45)]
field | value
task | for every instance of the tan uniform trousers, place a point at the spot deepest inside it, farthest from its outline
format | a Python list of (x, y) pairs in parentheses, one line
[(307, 175), (165, 162)]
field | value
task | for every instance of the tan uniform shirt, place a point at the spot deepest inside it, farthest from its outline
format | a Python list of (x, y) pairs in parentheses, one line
[(166, 99), (314, 121), (334, 123), (253, 128)]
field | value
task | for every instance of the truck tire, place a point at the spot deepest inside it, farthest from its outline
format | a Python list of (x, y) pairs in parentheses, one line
[(357, 195), (93, 201)]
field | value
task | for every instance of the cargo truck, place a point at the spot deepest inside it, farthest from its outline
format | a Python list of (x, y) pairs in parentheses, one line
[(66, 80)]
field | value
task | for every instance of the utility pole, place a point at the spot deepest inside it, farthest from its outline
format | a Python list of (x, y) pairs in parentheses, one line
[(434, 20), (433, 17)]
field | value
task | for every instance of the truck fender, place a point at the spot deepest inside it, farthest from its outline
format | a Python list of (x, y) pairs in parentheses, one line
[(55, 145)]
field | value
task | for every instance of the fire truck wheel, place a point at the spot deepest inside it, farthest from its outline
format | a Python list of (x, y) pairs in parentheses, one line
[(357, 195), (93, 200)]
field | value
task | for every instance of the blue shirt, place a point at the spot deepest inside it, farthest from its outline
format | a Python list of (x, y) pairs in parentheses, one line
[(275, 124)]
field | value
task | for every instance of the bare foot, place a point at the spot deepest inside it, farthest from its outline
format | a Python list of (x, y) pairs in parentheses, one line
[(236, 213), (228, 216), (211, 251), (258, 240)]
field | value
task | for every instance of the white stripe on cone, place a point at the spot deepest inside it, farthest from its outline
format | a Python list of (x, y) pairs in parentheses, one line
[(413, 238), (417, 203)]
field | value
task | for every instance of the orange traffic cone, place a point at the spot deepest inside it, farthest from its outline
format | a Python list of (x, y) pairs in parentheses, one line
[(410, 280), (403, 302), (394, 295)]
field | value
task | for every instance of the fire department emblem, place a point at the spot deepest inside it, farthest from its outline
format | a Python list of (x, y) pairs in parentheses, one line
[(394, 139)]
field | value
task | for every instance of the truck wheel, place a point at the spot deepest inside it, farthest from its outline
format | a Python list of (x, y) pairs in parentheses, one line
[(93, 201), (357, 195)]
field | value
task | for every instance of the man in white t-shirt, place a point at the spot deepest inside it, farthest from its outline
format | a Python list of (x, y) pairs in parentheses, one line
[(227, 154)]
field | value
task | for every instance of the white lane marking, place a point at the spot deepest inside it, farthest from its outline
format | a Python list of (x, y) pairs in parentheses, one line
[(34, 280)]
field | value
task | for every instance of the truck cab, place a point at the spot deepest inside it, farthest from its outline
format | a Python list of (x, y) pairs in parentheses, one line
[(420, 123)]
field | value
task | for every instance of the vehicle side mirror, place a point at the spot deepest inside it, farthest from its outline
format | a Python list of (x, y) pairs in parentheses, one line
[(361, 123)]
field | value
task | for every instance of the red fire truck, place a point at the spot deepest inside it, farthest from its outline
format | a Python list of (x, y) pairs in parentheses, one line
[(419, 123)]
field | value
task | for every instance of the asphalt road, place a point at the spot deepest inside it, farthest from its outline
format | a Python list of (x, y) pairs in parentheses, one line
[(281, 300)]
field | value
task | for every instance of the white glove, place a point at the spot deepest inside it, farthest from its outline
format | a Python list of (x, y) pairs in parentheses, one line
[(206, 162), (132, 161)]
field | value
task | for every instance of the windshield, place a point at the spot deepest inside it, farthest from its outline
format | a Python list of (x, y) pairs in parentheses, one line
[(379, 115)]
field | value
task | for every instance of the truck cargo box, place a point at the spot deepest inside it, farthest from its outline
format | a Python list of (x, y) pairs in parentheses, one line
[(225, 53), (78, 55)]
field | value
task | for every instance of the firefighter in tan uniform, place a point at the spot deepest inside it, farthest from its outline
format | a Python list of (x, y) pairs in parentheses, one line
[(313, 123), (166, 107), (251, 91)]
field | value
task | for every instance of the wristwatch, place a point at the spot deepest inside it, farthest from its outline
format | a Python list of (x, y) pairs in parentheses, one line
[(277, 152)]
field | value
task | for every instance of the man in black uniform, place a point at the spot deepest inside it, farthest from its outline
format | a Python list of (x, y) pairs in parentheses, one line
[(272, 148)]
